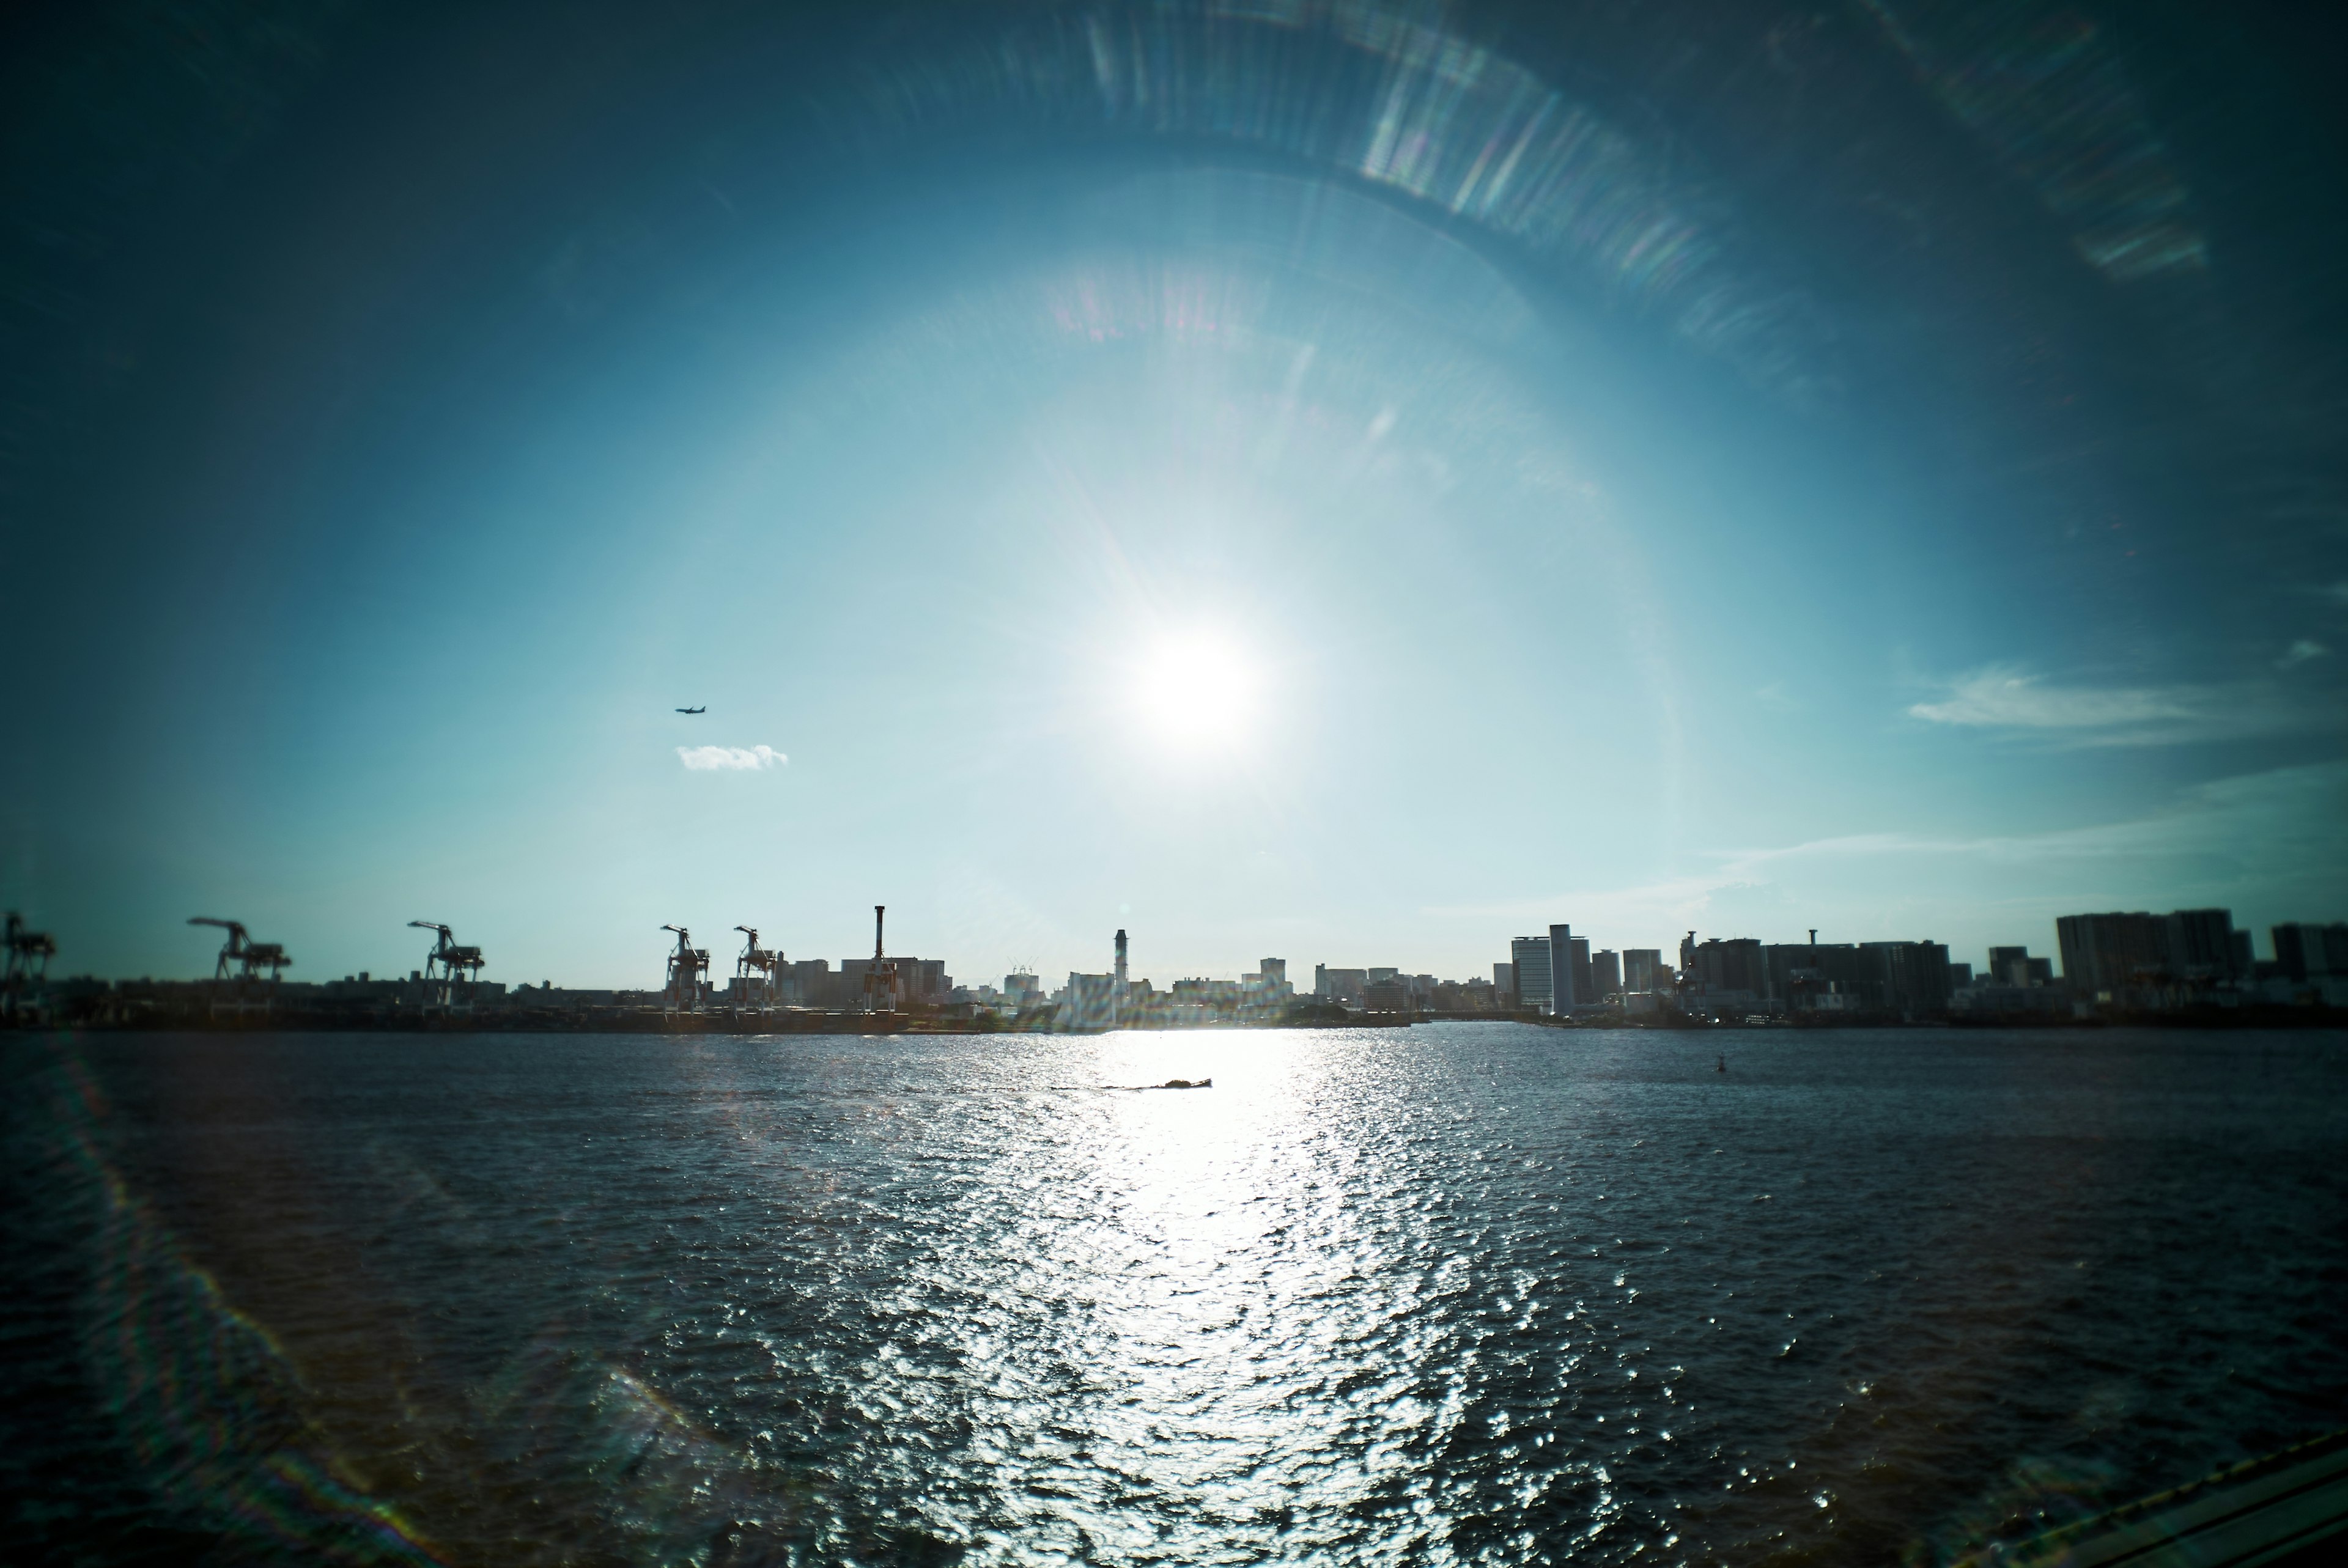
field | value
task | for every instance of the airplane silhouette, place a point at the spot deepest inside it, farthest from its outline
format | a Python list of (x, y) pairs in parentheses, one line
[(700, 709)]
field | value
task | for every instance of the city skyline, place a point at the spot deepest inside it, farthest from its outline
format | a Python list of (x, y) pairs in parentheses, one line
[(1286, 541)]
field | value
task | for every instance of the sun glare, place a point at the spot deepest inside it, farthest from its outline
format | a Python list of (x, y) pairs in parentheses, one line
[(1196, 692)]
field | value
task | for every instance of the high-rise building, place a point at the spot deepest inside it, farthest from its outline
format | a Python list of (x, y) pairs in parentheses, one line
[(1732, 967), (1504, 981), (1530, 958), (1566, 985), (1915, 977), (1641, 967), (2201, 944), (2016, 966), (2305, 951), (1605, 974), (2106, 954)]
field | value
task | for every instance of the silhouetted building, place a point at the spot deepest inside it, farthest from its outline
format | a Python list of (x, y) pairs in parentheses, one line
[(918, 980), (2105, 955), (1563, 991), (1605, 974), (2200, 944), (1504, 981), (1528, 959), (1732, 967), (1914, 977), (2305, 951), (1643, 968), (2016, 966)]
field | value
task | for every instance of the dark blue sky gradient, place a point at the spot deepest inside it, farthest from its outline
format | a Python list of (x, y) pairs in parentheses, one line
[(1682, 465)]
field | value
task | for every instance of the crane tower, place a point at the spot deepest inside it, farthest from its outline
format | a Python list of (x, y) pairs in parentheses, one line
[(449, 970), (757, 973), (687, 967), (247, 957), (29, 956)]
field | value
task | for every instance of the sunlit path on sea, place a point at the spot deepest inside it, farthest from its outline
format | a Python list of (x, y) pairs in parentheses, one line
[(1451, 1293)]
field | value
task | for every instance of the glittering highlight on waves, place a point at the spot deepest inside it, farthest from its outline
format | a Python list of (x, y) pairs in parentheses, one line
[(1390, 98)]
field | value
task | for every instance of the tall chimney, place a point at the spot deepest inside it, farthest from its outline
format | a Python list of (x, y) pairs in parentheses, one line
[(1814, 936), (878, 911)]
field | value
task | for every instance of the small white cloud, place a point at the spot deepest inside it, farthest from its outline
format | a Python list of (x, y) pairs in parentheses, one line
[(2005, 697), (730, 759), (2301, 653)]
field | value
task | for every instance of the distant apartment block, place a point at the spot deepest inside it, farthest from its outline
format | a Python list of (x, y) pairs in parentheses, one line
[(2307, 952), (2107, 956), (1605, 974), (1528, 959), (1343, 987)]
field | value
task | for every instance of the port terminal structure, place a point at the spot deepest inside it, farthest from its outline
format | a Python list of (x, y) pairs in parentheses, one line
[(448, 971), (243, 991), (757, 977), (25, 977), (686, 991)]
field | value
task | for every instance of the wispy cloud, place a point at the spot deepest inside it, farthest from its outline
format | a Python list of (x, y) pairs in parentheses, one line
[(2300, 652), (730, 759), (2275, 841), (2008, 697)]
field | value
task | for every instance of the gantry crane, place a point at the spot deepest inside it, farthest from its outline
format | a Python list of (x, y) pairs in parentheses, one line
[(29, 952), (249, 957), (447, 966), (881, 980), (29, 956), (758, 973), (686, 965)]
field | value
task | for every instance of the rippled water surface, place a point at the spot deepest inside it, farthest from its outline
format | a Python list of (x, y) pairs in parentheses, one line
[(1476, 1293)]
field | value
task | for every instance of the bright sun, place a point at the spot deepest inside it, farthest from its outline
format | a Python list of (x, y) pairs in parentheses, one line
[(1196, 691)]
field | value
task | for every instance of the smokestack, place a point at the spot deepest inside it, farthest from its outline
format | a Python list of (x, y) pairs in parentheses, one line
[(878, 911), (1814, 936), (1116, 996)]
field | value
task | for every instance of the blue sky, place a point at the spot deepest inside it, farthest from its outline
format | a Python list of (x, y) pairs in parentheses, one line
[(1913, 523)]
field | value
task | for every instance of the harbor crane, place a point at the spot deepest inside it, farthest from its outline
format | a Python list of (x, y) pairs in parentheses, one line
[(881, 980), (29, 953), (449, 966), (686, 965), (249, 957), (758, 972), (28, 956)]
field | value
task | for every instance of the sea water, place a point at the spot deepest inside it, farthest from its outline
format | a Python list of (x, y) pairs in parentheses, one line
[(1455, 1293)]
